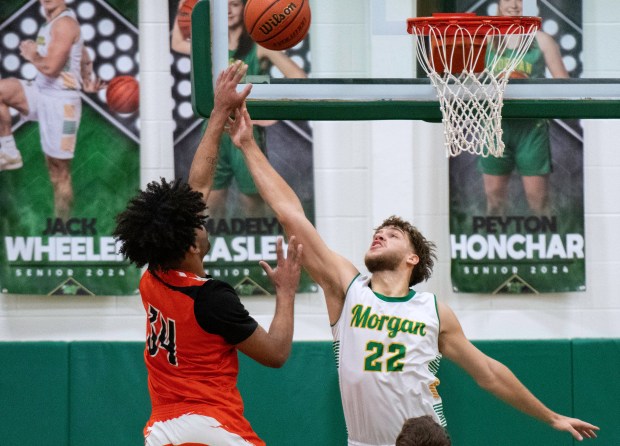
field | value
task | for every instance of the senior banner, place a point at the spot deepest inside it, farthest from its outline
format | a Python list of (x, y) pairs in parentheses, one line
[(517, 223), (72, 162), (242, 229)]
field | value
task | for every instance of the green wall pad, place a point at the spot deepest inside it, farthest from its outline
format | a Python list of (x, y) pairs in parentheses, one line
[(298, 404), (109, 399), (596, 372), (477, 417), (95, 393), (34, 393)]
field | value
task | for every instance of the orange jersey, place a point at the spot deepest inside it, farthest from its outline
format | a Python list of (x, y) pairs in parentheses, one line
[(193, 324)]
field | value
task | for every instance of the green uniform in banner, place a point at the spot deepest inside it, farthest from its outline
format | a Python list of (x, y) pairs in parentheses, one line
[(231, 164), (526, 141)]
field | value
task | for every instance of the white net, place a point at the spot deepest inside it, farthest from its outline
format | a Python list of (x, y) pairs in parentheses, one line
[(469, 67)]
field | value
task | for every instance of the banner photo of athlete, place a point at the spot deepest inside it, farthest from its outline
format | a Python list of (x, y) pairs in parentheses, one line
[(242, 228), (69, 144), (517, 222)]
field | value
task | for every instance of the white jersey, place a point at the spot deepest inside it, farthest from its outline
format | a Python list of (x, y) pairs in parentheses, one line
[(387, 356), (70, 78)]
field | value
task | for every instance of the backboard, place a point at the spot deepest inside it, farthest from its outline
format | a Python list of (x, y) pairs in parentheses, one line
[(364, 64)]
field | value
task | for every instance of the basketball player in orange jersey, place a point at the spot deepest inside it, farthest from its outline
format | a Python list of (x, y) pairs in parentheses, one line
[(231, 166), (196, 324), (387, 337), (53, 98)]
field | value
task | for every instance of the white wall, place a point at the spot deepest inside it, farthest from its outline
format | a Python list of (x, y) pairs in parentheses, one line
[(365, 171)]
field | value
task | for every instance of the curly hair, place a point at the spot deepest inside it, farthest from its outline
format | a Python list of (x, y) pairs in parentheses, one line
[(424, 249), (158, 226)]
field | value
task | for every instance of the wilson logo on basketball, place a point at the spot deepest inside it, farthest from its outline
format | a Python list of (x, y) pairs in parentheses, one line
[(277, 19)]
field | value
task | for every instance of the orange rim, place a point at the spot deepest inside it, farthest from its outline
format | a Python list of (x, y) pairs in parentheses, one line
[(451, 23)]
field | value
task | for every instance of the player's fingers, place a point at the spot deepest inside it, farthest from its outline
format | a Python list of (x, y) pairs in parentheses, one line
[(588, 433), (221, 75), (237, 114), (241, 70), (576, 435), (291, 252), (299, 254), (234, 70), (588, 430), (279, 251), (230, 124), (268, 270), (292, 241), (294, 253), (246, 116), (246, 91), (228, 73)]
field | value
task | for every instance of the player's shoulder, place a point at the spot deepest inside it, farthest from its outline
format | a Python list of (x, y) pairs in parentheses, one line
[(216, 283), (425, 298), (544, 40), (446, 314), (66, 22), (217, 291)]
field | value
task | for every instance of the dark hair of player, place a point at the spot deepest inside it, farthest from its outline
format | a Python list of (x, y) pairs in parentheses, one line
[(158, 226)]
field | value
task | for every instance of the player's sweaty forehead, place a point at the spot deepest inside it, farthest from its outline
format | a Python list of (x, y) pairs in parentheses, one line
[(388, 228)]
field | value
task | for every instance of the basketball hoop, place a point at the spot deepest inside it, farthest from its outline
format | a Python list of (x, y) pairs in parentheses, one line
[(469, 59)]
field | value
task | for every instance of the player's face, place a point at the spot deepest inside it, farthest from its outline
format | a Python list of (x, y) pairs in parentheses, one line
[(389, 248), (202, 241), (52, 5), (510, 7), (235, 13)]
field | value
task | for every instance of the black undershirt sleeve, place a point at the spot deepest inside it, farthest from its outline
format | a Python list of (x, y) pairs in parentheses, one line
[(219, 311)]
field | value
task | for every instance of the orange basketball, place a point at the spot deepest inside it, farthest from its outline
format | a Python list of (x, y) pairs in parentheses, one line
[(123, 94), (277, 24), (184, 18), (516, 74)]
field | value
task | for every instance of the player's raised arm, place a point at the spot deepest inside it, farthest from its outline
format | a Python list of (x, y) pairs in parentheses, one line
[(330, 270), (496, 378), (226, 100), (273, 347)]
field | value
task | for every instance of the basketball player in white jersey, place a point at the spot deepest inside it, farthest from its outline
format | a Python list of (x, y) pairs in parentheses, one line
[(53, 98), (388, 338)]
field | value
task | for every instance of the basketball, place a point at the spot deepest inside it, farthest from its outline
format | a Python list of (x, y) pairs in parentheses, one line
[(184, 18), (277, 24), (123, 94), (518, 75)]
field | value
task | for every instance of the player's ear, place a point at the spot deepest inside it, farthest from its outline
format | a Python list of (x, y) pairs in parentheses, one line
[(193, 248), (413, 259)]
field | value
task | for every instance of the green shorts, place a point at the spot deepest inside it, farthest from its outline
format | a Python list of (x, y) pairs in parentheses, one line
[(231, 165), (527, 149)]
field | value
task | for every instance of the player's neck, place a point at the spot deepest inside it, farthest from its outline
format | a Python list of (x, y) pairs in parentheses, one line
[(234, 34), (191, 264), (390, 283), (53, 13)]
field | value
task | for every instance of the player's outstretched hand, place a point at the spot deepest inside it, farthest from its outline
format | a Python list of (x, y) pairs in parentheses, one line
[(226, 96), (240, 127), (94, 85), (285, 277), (577, 428)]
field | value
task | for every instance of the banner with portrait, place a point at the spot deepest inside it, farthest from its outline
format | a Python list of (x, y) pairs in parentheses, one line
[(242, 229), (75, 163), (517, 223)]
